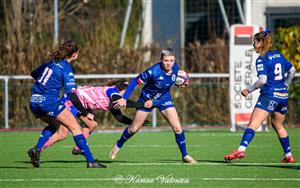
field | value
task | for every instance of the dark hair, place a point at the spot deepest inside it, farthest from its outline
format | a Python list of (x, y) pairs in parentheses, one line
[(120, 84), (66, 50), (266, 38), (167, 52)]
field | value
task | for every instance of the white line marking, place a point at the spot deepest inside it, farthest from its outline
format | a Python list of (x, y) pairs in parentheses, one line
[(113, 179), (83, 179), (167, 146), (209, 164)]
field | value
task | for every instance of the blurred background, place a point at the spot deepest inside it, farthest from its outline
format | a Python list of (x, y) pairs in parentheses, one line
[(126, 36)]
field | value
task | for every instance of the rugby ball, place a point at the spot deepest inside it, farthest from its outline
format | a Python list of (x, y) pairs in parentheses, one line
[(182, 78)]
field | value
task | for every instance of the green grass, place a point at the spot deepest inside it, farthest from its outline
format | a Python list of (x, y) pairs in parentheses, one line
[(151, 157)]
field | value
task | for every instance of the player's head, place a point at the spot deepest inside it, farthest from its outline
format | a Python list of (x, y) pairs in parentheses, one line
[(262, 42), (167, 58), (68, 50), (121, 84)]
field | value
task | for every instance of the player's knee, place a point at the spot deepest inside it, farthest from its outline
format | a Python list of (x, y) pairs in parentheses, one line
[(93, 126)]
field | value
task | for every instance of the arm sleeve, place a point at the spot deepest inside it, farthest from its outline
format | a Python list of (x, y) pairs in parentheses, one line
[(130, 88), (262, 80), (290, 75), (37, 72), (69, 80), (76, 102), (130, 103), (139, 80), (120, 117)]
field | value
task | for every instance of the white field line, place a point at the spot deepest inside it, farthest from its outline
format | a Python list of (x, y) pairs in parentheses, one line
[(113, 179), (207, 164), (167, 146)]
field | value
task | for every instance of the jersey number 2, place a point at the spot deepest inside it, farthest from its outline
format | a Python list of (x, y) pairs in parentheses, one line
[(45, 76), (278, 71)]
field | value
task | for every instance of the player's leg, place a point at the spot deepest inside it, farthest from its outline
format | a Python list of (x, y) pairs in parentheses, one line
[(257, 117), (170, 114), (277, 123), (61, 134), (90, 126), (48, 131), (139, 119), (69, 121)]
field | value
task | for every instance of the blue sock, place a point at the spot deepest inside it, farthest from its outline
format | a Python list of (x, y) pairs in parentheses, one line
[(180, 139), (83, 146), (45, 135), (125, 136), (247, 137), (285, 143)]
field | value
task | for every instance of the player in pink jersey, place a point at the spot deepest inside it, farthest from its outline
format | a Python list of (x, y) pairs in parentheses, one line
[(94, 98)]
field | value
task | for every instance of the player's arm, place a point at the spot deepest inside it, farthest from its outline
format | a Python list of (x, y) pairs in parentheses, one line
[(290, 75), (70, 90), (122, 118), (129, 103), (36, 72), (262, 80)]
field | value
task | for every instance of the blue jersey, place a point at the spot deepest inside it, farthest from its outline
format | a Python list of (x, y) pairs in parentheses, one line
[(157, 82), (274, 66), (52, 77)]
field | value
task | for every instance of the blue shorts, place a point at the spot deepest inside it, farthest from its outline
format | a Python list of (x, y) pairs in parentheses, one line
[(272, 104), (40, 109), (163, 104)]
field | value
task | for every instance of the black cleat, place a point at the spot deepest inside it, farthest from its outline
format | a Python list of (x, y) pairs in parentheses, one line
[(34, 155), (95, 165), (77, 152)]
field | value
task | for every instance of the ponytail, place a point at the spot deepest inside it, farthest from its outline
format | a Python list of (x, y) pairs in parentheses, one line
[(266, 38), (66, 50)]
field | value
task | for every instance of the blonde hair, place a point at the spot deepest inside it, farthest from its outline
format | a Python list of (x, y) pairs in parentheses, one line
[(267, 42)]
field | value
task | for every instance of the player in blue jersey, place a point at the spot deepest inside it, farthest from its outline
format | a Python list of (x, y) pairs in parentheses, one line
[(271, 67), (45, 102), (158, 80)]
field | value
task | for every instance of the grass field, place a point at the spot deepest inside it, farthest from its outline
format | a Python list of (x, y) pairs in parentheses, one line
[(151, 159)]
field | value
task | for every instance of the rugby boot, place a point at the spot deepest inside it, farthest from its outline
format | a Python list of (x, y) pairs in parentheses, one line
[(114, 152), (288, 159), (189, 159), (34, 155), (235, 154), (76, 151), (95, 165)]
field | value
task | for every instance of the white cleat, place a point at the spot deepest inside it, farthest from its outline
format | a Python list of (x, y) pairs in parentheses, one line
[(114, 152), (189, 159)]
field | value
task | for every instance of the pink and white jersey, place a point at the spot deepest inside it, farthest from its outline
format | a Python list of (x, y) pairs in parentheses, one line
[(94, 98)]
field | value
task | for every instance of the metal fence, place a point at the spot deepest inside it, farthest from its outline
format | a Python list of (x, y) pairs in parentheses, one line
[(204, 102)]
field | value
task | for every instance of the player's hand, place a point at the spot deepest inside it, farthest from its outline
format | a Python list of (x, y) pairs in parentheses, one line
[(148, 104), (245, 92), (90, 116), (120, 103)]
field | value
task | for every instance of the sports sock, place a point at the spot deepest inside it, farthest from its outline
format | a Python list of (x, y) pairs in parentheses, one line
[(86, 135), (180, 140), (125, 136), (47, 132), (285, 143), (82, 144), (246, 139)]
